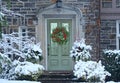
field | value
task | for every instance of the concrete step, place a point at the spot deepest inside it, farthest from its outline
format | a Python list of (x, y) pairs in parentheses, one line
[(59, 77)]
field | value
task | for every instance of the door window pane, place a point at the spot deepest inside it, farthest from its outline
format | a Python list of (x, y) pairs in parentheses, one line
[(53, 26), (66, 25)]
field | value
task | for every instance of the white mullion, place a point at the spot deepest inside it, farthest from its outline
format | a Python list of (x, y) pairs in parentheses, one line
[(117, 33)]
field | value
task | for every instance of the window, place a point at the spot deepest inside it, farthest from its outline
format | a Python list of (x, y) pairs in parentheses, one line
[(117, 3), (106, 3), (23, 34), (118, 34)]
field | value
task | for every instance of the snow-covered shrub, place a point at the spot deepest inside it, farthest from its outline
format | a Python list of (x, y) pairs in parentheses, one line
[(33, 52), (23, 71), (13, 46), (26, 52), (80, 51), (90, 71), (10, 44), (4, 60), (84, 68), (111, 60)]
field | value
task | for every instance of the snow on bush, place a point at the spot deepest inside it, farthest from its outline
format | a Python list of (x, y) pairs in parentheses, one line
[(13, 46), (4, 60), (23, 55), (80, 51), (84, 68), (112, 82), (10, 44), (23, 71), (28, 69), (111, 60), (90, 71), (33, 52)]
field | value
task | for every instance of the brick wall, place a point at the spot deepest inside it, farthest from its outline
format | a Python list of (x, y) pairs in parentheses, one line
[(28, 8), (108, 34), (89, 8)]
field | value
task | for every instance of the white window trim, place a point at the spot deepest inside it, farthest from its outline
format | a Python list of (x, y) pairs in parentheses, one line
[(105, 2), (20, 30), (117, 4), (117, 34), (20, 35)]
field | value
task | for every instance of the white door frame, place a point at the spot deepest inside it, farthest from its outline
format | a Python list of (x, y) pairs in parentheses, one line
[(57, 13), (73, 25)]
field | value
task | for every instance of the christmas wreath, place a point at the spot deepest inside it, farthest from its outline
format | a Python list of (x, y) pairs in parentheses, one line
[(60, 35)]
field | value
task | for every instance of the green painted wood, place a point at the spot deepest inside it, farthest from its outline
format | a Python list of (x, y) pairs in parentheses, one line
[(58, 55)]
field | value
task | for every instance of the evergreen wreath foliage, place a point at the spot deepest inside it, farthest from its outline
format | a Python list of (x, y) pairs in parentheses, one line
[(60, 35)]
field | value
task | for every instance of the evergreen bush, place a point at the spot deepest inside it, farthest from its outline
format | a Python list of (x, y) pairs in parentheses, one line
[(111, 60), (22, 71), (80, 51), (25, 57), (4, 60), (84, 68), (90, 71)]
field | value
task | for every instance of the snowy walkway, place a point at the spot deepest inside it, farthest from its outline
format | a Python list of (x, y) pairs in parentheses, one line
[(14, 81)]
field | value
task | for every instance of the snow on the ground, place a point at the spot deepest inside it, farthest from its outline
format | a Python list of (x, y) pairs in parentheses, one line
[(112, 82), (14, 81)]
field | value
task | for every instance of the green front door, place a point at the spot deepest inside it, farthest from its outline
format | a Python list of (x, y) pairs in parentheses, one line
[(58, 55)]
